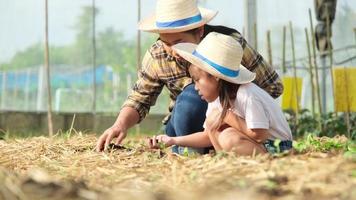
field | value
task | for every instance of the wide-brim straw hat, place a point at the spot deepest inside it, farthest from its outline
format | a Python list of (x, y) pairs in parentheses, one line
[(174, 16), (219, 55)]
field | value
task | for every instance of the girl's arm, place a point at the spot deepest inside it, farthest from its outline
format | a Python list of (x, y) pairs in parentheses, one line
[(197, 140), (258, 135)]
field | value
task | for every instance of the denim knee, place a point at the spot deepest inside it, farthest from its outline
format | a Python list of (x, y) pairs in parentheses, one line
[(189, 112)]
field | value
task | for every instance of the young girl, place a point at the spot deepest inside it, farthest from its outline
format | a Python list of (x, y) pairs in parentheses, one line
[(241, 117)]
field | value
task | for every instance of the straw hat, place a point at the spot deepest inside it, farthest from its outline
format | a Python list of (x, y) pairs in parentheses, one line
[(218, 54), (174, 16)]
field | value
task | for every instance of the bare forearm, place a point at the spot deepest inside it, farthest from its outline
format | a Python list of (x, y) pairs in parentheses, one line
[(258, 135), (127, 118), (236, 122), (197, 140)]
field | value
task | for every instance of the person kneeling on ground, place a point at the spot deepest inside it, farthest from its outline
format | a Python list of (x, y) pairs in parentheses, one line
[(241, 117)]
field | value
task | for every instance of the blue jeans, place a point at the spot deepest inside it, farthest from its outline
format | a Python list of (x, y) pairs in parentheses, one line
[(187, 117), (284, 145)]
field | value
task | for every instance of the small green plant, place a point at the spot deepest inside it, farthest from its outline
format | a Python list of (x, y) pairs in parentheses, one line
[(322, 144), (350, 152), (186, 151), (4, 135), (276, 144), (332, 125)]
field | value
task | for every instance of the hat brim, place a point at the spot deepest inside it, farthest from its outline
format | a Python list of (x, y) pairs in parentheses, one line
[(149, 24), (185, 50)]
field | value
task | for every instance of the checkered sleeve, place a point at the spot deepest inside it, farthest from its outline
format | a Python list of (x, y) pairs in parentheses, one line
[(146, 89), (266, 77)]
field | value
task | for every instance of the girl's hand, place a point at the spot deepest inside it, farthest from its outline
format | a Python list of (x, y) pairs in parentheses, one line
[(163, 139)]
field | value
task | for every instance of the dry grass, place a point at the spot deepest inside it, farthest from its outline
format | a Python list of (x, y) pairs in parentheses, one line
[(69, 168)]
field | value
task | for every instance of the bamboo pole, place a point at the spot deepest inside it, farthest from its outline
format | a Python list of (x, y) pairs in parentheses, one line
[(138, 48), (294, 65), (94, 64), (255, 36), (47, 69), (310, 72), (346, 79), (269, 48), (331, 58), (138, 35), (315, 68), (284, 69), (348, 104), (347, 117), (4, 91), (94, 57)]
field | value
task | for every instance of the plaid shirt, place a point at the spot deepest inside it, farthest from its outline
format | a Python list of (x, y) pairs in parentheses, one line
[(160, 69)]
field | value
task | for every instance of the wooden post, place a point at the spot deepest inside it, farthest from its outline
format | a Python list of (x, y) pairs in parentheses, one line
[(94, 57), (47, 69), (3, 89), (255, 36), (94, 64), (284, 69), (347, 117), (138, 47), (27, 90), (331, 58), (310, 72), (315, 69), (250, 21), (294, 65), (16, 89), (138, 35), (269, 48)]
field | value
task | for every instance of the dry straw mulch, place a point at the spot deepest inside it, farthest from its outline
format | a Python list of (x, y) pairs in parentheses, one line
[(69, 168)]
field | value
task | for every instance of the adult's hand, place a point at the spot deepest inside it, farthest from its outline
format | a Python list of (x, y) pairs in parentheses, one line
[(117, 131)]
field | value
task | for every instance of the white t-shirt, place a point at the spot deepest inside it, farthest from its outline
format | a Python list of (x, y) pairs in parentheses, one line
[(259, 110)]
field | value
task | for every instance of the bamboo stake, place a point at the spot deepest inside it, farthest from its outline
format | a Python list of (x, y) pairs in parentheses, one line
[(311, 72), (331, 58), (269, 48), (284, 69), (315, 69), (355, 33), (294, 65), (94, 65), (255, 35), (94, 58), (3, 91), (47, 69), (347, 117), (138, 35), (138, 48)]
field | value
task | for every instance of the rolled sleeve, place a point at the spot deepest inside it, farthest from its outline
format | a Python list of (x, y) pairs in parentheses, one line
[(146, 89)]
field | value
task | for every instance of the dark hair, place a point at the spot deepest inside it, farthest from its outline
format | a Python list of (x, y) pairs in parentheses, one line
[(227, 95), (219, 29)]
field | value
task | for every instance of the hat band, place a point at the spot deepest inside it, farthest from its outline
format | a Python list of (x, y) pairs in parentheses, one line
[(179, 23), (225, 71)]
